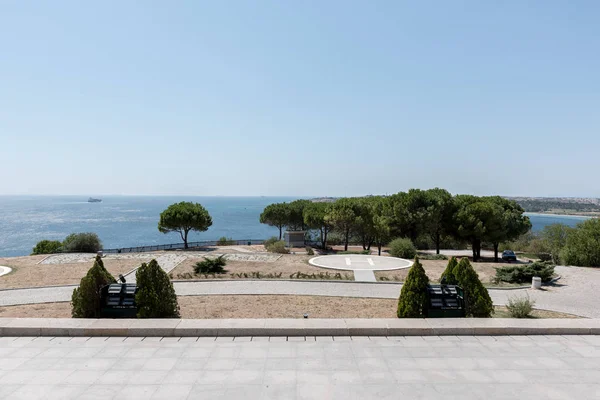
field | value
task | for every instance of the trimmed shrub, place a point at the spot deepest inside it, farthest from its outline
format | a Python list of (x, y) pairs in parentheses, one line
[(155, 297), (270, 241), (477, 299), (520, 307), (211, 266), (413, 296), (87, 242), (427, 256), (278, 247), (310, 251), (85, 301), (448, 275), (402, 248), (224, 241), (47, 247), (524, 273), (364, 252)]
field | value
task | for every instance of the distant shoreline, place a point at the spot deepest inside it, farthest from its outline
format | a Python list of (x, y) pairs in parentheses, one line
[(582, 215)]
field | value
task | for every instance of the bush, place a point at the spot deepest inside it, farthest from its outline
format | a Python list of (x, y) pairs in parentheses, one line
[(156, 296), (85, 301), (82, 243), (47, 247), (427, 256), (402, 248), (211, 266), (520, 307), (477, 299), (224, 241), (270, 241), (278, 247), (581, 248), (364, 252), (448, 275), (524, 273), (310, 251), (413, 296)]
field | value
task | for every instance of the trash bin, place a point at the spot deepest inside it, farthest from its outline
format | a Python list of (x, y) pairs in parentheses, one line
[(118, 300), (445, 301)]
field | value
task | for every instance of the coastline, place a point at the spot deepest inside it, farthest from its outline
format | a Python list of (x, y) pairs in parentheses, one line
[(581, 216)]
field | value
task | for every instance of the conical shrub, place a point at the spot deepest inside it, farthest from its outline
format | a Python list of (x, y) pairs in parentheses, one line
[(478, 302), (85, 301), (413, 296), (155, 297), (448, 274)]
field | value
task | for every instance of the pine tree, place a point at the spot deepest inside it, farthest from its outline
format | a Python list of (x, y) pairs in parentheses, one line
[(156, 296), (478, 303), (85, 301), (448, 274), (413, 296)]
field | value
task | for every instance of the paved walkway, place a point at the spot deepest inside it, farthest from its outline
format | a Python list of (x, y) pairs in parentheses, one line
[(167, 262), (574, 293), (299, 368)]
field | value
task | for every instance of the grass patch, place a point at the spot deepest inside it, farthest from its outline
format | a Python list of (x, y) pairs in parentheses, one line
[(502, 312)]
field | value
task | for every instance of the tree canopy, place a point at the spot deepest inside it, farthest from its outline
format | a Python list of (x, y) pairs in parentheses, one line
[(276, 215), (184, 217)]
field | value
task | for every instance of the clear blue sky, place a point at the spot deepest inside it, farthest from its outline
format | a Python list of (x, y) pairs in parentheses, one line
[(299, 97)]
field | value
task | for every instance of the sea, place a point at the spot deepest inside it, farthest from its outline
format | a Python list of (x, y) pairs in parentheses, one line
[(128, 221)]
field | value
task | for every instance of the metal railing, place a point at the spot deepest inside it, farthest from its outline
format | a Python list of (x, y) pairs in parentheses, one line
[(180, 246)]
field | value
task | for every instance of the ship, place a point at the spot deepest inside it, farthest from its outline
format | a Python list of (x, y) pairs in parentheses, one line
[(92, 200)]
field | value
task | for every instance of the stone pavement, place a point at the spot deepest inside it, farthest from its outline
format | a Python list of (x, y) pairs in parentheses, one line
[(435, 367)]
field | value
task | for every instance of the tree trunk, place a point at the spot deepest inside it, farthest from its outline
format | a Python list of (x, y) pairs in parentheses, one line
[(379, 248), (437, 243), (325, 240), (474, 248), (185, 242), (347, 239), (370, 244), (496, 252), (280, 232)]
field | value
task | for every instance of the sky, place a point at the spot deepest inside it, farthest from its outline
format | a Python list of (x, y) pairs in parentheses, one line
[(310, 98)]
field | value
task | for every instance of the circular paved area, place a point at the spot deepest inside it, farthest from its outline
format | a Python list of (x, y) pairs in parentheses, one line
[(4, 270), (355, 262)]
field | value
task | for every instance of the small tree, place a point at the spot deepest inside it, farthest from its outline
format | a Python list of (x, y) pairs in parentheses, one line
[(85, 301), (448, 275), (277, 215), (413, 296), (47, 247), (402, 248), (184, 217), (477, 299), (156, 296), (87, 242)]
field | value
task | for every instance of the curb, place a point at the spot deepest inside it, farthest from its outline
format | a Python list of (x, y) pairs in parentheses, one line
[(294, 327)]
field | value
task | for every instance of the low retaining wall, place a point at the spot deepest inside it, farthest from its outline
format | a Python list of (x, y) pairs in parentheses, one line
[(295, 327)]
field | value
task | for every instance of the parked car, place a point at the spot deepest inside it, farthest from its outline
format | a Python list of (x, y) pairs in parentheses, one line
[(509, 255)]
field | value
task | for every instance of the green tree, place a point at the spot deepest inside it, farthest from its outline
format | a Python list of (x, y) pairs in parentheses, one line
[(85, 301), (341, 215), (184, 217), (413, 295), (295, 215), (476, 220), (582, 247), (47, 247), (477, 299), (448, 274), (554, 238), (276, 214), (436, 217), (315, 218), (364, 223), (407, 211), (156, 296), (382, 220), (506, 223), (87, 242)]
